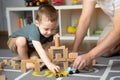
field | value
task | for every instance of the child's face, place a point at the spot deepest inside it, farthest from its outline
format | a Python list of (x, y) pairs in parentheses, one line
[(46, 27)]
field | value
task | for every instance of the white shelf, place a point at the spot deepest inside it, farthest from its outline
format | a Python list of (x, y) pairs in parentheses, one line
[(67, 15), (86, 38)]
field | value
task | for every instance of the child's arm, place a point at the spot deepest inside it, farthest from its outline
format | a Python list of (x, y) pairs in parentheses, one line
[(44, 57)]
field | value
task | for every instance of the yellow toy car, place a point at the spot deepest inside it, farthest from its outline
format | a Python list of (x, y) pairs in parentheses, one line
[(61, 74)]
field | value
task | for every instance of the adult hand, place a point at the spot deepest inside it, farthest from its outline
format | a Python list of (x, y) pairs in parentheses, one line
[(82, 61)]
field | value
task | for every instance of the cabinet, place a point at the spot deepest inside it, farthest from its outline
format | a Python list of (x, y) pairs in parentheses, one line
[(67, 16)]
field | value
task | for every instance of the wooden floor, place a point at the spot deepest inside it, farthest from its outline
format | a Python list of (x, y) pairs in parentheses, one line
[(3, 41)]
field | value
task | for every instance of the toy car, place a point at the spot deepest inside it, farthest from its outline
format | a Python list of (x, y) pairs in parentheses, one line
[(72, 70), (61, 74)]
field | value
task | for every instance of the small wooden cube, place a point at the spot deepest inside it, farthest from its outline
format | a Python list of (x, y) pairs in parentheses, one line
[(58, 56), (73, 55), (2, 77)]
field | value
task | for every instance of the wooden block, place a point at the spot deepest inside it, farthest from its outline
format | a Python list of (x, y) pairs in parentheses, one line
[(12, 63), (8, 63), (23, 65), (70, 60), (94, 62), (73, 55), (1, 64), (57, 40), (2, 77), (65, 53), (1, 70), (65, 64), (58, 56), (37, 67), (5, 62), (62, 59), (54, 47), (16, 66)]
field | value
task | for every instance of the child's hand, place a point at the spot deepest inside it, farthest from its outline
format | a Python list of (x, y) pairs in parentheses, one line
[(53, 68)]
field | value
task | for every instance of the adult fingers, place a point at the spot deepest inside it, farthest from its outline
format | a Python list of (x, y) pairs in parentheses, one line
[(76, 63), (81, 65)]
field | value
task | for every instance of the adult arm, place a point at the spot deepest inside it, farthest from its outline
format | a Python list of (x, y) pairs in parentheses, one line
[(84, 21), (110, 40)]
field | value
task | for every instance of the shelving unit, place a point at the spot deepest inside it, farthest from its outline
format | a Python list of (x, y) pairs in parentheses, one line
[(67, 15)]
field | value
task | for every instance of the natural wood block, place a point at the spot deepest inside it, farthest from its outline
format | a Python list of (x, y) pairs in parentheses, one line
[(70, 59), (8, 63), (1, 70), (16, 66), (73, 55), (5, 62), (12, 63), (61, 60), (1, 64), (36, 62), (58, 56), (65, 53), (2, 77), (57, 40), (54, 47), (65, 64), (23, 66), (94, 62)]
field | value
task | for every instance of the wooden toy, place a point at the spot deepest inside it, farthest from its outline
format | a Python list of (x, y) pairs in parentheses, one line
[(60, 57), (2, 77), (1, 65), (63, 57), (36, 63)]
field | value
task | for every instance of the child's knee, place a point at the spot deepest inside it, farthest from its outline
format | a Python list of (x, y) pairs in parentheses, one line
[(11, 44), (21, 41)]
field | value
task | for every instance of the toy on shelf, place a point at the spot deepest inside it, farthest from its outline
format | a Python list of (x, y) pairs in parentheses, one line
[(74, 2), (35, 2), (97, 32), (72, 29), (57, 2)]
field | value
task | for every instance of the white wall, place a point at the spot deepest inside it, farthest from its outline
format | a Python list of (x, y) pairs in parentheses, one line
[(12, 3), (1, 15), (3, 5)]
